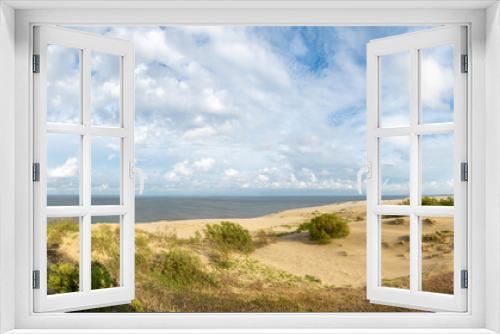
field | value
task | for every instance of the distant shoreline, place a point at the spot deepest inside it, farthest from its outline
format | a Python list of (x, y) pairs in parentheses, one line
[(157, 208)]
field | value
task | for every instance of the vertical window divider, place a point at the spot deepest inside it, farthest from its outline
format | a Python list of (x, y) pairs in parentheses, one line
[(85, 239), (414, 172)]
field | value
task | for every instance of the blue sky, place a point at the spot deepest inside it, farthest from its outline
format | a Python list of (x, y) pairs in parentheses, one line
[(242, 110)]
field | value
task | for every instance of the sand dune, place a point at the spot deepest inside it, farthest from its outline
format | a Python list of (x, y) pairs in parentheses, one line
[(340, 263)]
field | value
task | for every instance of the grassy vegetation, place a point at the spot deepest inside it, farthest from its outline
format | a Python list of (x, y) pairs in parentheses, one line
[(229, 236), (325, 227), (189, 274), (432, 201), (180, 269)]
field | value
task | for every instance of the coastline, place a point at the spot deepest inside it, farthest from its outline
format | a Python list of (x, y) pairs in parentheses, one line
[(293, 252), (341, 263)]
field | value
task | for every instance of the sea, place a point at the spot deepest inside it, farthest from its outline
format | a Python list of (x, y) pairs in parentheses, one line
[(155, 208)]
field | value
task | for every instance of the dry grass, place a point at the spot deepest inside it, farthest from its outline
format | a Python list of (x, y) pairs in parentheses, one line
[(189, 274)]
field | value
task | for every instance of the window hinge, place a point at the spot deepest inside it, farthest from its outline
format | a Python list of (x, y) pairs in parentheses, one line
[(464, 171), (36, 63), (465, 64), (36, 279), (464, 279), (36, 172)]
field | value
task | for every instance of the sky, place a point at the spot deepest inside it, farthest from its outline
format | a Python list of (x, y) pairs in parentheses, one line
[(247, 110)]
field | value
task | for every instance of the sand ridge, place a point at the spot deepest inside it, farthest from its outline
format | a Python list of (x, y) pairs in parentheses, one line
[(342, 263)]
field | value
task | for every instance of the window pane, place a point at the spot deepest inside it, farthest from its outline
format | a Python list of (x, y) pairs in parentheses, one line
[(63, 169), (437, 169), (63, 255), (394, 90), (437, 254), (395, 251), (436, 84), (105, 243), (395, 170), (106, 170), (105, 90), (63, 84)]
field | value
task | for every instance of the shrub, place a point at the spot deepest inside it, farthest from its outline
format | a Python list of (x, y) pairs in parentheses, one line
[(428, 221), (105, 240), (325, 227), (265, 237), (229, 236), (432, 201), (429, 201), (62, 278), (101, 278), (181, 269), (65, 277)]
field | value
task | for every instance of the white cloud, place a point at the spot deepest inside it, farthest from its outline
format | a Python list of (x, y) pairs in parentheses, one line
[(204, 164), (230, 172), (262, 178), (212, 101), (205, 131), (437, 83), (184, 170), (180, 169), (68, 169)]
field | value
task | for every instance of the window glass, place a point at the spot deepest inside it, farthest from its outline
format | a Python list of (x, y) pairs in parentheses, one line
[(105, 90), (437, 254), (395, 251), (63, 255), (63, 84), (436, 84), (395, 170), (105, 265), (106, 170), (63, 169), (437, 169), (394, 108)]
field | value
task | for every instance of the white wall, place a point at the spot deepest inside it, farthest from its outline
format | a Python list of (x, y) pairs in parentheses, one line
[(7, 62), (492, 64)]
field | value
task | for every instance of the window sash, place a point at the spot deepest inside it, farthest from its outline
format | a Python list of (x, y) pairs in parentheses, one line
[(86, 297), (414, 297)]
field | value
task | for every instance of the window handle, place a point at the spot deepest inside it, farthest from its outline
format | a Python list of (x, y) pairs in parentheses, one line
[(140, 174), (366, 169)]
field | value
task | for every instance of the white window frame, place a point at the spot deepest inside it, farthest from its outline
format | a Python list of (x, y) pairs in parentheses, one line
[(86, 43), (483, 315), (412, 43)]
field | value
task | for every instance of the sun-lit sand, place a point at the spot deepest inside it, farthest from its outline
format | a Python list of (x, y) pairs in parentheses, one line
[(340, 263)]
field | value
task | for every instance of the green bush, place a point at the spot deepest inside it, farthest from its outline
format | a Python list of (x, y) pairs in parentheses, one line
[(229, 236), (325, 227), (448, 201), (181, 269), (65, 277), (432, 201), (62, 278), (101, 278)]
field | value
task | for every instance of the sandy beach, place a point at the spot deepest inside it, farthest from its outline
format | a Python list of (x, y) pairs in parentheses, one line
[(340, 263)]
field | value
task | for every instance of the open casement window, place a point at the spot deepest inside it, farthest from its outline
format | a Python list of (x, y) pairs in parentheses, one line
[(417, 149), (83, 148)]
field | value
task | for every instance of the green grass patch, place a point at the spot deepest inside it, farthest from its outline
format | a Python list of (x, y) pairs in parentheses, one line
[(432, 201), (228, 236), (181, 269)]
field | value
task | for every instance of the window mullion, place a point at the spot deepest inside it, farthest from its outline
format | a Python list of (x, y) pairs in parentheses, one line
[(414, 174), (85, 239)]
